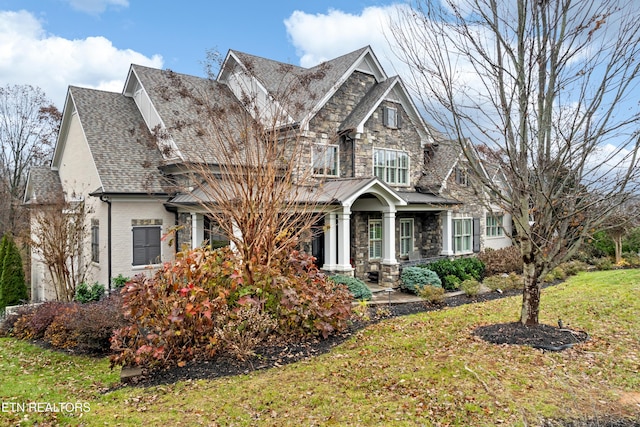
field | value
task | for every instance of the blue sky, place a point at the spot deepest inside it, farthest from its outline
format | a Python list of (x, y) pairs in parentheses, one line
[(56, 43)]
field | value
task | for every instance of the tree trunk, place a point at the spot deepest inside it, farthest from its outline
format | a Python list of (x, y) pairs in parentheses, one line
[(618, 243), (530, 295)]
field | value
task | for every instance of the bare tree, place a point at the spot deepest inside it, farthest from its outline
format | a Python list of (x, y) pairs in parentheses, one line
[(59, 234), (29, 124), (548, 87), (252, 173)]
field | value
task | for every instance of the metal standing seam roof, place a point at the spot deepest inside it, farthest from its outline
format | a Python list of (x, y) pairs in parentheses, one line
[(333, 191), (124, 152)]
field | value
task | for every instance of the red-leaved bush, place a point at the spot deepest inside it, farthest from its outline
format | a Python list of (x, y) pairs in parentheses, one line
[(187, 310)]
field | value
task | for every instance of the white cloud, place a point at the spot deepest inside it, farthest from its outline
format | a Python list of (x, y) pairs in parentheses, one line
[(96, 6), (28, 55), (321, 37)]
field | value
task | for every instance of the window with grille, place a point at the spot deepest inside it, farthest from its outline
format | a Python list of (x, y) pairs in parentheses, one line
[(406, 236), (391, 166), (375, 238)]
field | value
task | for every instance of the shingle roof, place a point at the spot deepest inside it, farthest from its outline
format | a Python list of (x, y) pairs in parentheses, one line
[(444, 156), (368, 102), (306, 86), (44, 185), (180, 101), (124, 152)]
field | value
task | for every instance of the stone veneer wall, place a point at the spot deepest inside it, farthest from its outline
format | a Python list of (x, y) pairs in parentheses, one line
[(427, 240)]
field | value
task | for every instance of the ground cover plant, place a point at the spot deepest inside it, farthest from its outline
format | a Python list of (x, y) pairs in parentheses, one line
[(428, 368)]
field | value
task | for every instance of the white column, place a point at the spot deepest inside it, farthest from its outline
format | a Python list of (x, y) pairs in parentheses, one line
[(447, 233), (344, 240), (389, 238), (330, 241), (197, 229), (237, 234)]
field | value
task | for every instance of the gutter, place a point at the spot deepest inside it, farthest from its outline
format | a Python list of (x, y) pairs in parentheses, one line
[(107, 200)]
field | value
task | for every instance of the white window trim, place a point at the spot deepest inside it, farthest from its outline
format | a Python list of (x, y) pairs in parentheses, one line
[(325, 147), (456, 250), (498, 226), (373, 222), (404, 238), (396, 168)]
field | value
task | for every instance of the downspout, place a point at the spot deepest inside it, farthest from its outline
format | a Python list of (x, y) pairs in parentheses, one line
[(107, 200)]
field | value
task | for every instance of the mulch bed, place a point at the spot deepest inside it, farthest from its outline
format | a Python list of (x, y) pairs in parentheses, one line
[(279, 354)]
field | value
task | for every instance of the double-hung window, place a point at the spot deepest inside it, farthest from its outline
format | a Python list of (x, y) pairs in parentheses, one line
[(494, 226), (375, 238), (146, 245), (462, 235), (406, 236), (391, 166), (325, 159)]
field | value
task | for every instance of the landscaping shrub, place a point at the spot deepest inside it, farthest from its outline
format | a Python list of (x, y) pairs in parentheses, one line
[(632, 259), (471, 266), (432, 294), (91, 327), (499, 261), (572, 268), (452, 282), (119, 281), (603, 263), (59, 334), (89, 293), (35, 321), (244, 329), (557, 273), (453, 272), (7, 325), (503, 282), (471, 287), (357, 287), (413, 279), (189, 308), (13, 289)]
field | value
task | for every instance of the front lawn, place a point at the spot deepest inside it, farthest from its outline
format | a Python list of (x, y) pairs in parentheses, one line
[(423, 369)]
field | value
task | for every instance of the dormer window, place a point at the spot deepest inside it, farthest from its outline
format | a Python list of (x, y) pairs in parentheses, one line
[(390, 117)]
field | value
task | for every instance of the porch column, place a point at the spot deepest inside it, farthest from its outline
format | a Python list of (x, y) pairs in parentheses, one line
[(344, 241), (197, 229), (330, 241), (237, 234), (447, 233), (389, 238)]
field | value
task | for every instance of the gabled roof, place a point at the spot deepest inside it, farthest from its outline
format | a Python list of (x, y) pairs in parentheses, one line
[(122, 147), (43, 186), (307, 89), (179, 112), (443, 159)]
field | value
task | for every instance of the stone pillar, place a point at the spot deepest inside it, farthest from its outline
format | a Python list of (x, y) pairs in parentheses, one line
[(446, 219)]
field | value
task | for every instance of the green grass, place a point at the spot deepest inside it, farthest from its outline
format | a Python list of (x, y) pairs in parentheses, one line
[(425, 369)]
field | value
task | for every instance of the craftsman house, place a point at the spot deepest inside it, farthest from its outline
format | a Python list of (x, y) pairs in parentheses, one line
[(398, 191)]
